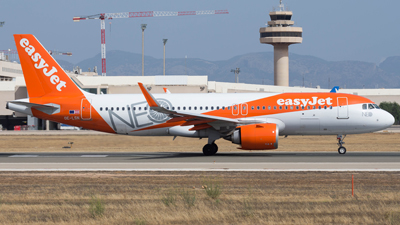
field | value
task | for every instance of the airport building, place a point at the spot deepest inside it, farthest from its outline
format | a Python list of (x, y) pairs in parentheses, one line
[(12, 86)]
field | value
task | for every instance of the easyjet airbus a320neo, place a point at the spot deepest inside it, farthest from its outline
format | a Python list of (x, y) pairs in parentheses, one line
[(254, 120)]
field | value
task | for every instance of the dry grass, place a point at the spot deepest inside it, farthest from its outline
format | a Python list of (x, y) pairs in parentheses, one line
[(120, 143), (246, 198)]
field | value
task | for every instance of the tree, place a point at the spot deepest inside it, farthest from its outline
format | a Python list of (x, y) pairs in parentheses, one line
[(393, 108)]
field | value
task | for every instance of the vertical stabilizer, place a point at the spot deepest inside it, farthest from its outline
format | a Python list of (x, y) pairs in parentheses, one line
[(43, 75)]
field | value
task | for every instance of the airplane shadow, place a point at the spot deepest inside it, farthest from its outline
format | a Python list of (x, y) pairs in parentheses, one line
[(199, 155)]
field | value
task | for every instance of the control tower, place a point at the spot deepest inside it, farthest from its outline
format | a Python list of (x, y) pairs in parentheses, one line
[(280, 33)]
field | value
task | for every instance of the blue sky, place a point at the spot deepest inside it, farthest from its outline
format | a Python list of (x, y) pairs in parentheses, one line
[(363, 30)]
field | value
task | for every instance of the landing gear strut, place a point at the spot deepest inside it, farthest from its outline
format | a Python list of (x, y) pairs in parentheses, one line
[(341, 149), (210, 149)]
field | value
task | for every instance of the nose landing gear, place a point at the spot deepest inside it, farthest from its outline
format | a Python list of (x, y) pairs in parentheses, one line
[(341, 149)]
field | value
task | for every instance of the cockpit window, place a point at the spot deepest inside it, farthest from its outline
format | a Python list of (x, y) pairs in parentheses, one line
[(376, 106), (370, 106), (364, 106)]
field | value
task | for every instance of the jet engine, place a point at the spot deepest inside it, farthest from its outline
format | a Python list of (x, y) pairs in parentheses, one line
[(256, 136)]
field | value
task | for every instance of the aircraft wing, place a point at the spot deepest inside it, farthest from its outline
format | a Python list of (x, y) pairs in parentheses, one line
[(200, 121)]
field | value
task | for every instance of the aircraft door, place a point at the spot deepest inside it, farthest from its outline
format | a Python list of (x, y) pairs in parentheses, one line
[(243, 109), (343, 109), (86, 109), (235, 109)]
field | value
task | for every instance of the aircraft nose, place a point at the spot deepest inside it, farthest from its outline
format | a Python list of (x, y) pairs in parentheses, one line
[(388, 119)]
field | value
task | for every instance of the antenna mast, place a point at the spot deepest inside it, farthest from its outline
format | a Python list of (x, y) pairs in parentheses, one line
[(281, 6)]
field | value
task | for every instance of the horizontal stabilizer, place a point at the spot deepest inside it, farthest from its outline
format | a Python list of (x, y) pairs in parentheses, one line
[(48, 108)]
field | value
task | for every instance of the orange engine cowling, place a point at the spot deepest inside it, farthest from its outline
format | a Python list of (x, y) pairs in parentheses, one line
[(256, 136)]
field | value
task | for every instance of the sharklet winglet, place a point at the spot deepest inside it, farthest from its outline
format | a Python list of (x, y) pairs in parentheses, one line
[(149, 97)]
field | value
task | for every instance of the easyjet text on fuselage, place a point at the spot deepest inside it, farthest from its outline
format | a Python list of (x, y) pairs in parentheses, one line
[(305, 102)]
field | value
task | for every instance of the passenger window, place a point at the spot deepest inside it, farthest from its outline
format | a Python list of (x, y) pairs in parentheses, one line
[(330, 107), (184, 107), (140, 108), (134, 108), (264, 107), (129, 108), (106, 108), (269, 107), (117, 108), (101, 108), (212, 107), (258, 107), (173, 108), (112, 108), (123, 108), (201, 107), (229, 108), (145, 108), (217, 107), (195, 108), (291, 107), (252, 108), (190, 108), (179, 108), (280, 107), (319, 107), (324, 107), (297, 107), (302, 107), (364, 106), (308, 107), (223, 107), (234, 108), (285, 107), (206, 108), (274, 107)]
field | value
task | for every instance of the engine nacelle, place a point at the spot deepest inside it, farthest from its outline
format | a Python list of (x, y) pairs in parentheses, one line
[(256, 136)]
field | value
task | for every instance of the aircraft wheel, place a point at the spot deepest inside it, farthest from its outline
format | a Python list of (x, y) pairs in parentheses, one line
[(216, 147), (210, 149), (342, 150)]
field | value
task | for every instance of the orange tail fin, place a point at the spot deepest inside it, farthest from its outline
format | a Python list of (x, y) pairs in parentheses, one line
[(43, 75)]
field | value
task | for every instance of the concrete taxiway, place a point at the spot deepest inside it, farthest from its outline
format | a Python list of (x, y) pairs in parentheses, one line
[(170, 161)]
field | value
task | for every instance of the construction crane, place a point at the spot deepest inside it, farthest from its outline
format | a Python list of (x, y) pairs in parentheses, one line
[(51, 52), (103, 16), (13, 54)]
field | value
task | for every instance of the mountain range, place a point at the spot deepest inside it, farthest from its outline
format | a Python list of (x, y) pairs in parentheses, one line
[(256, 68)]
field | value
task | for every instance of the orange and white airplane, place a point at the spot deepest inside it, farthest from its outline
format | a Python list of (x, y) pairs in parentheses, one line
[(253, 120)]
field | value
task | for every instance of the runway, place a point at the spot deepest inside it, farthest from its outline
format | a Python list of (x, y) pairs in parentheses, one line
[(191, 161)]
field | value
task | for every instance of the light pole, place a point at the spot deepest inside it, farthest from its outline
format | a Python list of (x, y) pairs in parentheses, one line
[(185, 65), (236, 71), (143, 28), (164, 41)]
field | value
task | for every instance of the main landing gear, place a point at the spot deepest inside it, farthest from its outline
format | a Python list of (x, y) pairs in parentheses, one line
[(210, 149), (341, 149)]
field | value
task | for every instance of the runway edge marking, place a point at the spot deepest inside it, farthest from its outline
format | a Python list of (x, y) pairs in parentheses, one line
[(200, 170)]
